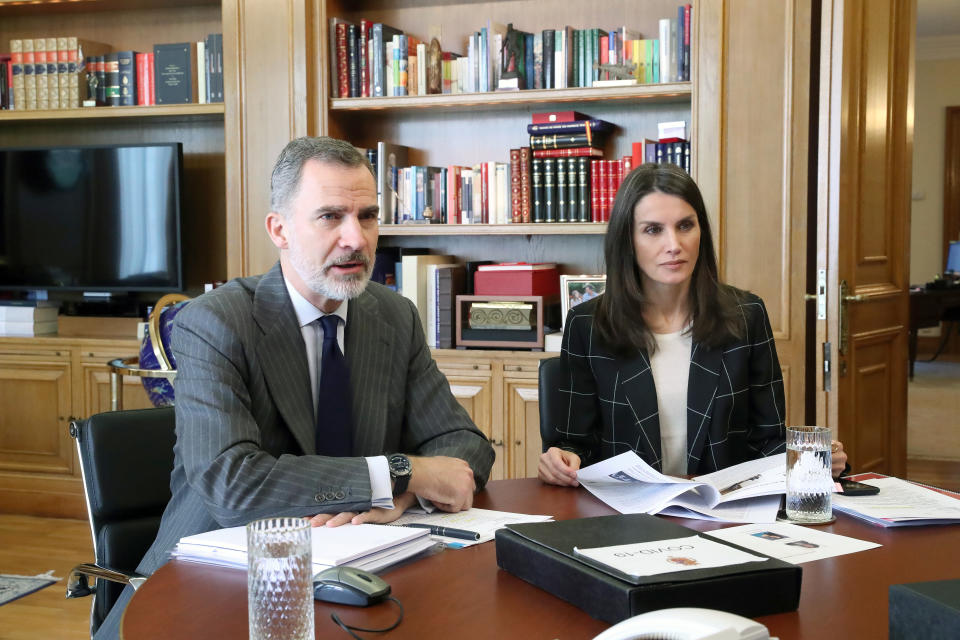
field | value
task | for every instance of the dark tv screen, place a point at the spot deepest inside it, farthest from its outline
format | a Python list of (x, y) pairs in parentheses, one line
[(103, 218)]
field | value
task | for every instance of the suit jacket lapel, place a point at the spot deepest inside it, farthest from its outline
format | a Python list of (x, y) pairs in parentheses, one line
[(283, 357), (368, 338), (639, 390), (705, 370)]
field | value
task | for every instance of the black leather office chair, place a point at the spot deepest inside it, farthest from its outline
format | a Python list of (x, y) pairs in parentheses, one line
[(550, 400), (126, 458)]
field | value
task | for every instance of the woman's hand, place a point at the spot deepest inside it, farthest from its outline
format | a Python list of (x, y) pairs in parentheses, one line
[(839, 458), (558, 466)]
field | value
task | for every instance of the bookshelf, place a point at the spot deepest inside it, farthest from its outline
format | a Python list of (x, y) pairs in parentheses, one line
[(46, 382)]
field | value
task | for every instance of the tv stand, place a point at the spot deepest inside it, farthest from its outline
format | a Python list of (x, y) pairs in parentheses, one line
[(106, 304)]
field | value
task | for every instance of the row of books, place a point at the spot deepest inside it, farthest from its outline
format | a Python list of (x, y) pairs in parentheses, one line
[(44, 73), (67, 73), (26, 319), (375, 59), (189, 72)]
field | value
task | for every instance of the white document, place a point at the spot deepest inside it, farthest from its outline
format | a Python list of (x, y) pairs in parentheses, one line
[(630, 485), (666, 556), (791, 542), (483, 521), (900, 502), (367, 546)]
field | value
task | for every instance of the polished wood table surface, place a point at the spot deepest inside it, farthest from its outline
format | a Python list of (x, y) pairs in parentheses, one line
[(460, 593)]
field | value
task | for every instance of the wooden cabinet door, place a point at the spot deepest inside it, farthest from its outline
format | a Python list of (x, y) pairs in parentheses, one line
[(95, 381), (521, 408), (471, 382)]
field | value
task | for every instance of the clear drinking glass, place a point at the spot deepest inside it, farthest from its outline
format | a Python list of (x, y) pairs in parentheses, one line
[(809, 479), (280, 579)]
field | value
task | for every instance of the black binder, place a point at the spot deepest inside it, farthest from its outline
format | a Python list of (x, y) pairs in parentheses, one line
[(541, 553)]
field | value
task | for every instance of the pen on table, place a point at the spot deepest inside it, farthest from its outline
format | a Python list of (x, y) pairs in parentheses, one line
[(738, 485), (446, 532)]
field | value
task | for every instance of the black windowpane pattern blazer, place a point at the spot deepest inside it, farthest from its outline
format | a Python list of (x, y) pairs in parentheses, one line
[(735, 400)]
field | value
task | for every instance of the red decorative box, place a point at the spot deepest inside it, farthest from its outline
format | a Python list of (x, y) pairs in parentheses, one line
[(535, 282)]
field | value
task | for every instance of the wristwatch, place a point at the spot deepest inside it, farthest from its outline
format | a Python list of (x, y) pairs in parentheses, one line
[(400, 472)]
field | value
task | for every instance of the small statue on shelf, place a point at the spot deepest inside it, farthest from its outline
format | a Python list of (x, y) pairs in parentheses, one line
[(512, 59)]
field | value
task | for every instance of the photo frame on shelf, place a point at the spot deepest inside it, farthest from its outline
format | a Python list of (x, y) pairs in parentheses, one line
[(577, 289)]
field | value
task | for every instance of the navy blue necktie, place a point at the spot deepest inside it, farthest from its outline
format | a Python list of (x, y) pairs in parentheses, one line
[(334, 414)]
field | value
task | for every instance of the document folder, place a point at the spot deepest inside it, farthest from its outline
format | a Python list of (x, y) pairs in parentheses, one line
[(541, 553)]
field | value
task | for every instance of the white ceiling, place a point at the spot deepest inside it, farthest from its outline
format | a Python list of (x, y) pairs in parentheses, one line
[(938, 18)]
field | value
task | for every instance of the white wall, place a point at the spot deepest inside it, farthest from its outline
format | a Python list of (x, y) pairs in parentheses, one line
[(937, 87)]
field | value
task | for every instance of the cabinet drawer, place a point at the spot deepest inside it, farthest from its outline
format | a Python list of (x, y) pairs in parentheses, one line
[(460, 367)]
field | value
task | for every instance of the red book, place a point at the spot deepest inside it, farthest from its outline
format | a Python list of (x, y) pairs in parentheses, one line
[(627, 167), (596, 166), (614, 171), (364, 38), (484, 194), (517, 266), (574, 152), (637, 148), (141, 61), (454, 194), (686, 42), (343, 64), (516, 206), (152, 86), (525, 185), (547, 117)]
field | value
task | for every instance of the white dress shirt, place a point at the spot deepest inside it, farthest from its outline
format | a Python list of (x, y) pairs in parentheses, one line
[(670, 365)]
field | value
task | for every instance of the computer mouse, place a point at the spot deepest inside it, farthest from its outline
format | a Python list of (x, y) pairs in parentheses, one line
[(349, 585)]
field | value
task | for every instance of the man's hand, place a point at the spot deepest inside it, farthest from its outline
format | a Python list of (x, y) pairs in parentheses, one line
[(446, 482), (375, 516), (559, 466)]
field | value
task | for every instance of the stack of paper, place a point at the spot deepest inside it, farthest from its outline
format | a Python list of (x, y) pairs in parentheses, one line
[(900, 503), (747, 492), (365, 546)]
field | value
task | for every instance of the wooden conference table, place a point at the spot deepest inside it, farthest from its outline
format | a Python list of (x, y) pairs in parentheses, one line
[(460, 593)]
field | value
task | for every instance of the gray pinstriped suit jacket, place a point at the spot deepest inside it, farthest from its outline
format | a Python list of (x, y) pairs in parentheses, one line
[(245, 419), (735, 400)]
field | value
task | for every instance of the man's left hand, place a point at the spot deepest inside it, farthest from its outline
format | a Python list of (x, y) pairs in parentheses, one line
[(375, 516)]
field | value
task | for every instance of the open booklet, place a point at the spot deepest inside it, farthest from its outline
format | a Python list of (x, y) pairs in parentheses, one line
[(900, 503), (366, 546), (747, 492)]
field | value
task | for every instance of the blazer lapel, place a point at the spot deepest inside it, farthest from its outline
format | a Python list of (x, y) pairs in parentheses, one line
[(369, 343), (640, 393), (705, 370), (283, 358)]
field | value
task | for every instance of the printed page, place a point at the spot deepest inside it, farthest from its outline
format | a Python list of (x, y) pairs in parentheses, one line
[(760, 477), (483, 521), (666, 556), (791, 542), (757, 509), (630, 485), (901, 500)]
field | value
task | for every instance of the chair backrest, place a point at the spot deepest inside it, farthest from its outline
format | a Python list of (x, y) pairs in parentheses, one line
[(126, 458), (551, 401)]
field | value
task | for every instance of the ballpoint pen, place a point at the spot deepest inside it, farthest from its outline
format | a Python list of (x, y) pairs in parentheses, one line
[(447, 532), (738, 485)]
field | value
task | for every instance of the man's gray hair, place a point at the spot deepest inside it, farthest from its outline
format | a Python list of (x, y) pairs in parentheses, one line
[(285, 179)]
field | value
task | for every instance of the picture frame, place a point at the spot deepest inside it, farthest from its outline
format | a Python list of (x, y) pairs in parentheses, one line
[(577, 289)]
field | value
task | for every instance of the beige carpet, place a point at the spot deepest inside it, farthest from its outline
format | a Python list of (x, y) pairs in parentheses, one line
[(933, 411)]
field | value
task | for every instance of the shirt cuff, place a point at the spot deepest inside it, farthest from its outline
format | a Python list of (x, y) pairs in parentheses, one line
[(381, 489)]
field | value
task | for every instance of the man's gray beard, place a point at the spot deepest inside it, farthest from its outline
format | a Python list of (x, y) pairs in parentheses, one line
[(343, 287)]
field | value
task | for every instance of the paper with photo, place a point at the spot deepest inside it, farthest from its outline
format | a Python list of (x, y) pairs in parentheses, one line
[(791, 542), (666, 556)]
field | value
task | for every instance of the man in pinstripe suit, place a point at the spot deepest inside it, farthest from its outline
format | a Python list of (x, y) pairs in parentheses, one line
[(248, 420)]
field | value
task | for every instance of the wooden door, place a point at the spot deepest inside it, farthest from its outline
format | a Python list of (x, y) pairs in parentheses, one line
[(522, 418), (762, 218), (865, 171)]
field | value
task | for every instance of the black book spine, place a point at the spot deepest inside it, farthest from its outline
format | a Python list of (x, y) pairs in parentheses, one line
[(548, 50), (536, 178), (561, 206), (352, 44), (101, 81), (573, 184), (549, 190), (4, 89), (127, 74), (583, 175)]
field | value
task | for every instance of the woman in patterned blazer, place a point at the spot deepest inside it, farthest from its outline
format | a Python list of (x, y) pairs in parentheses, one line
[(669, 362)]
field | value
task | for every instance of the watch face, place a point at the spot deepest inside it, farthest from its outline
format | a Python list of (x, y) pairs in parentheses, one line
[(399, 465)]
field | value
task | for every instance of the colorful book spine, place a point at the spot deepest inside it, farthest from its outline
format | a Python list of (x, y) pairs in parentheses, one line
[(573, 209), (16, 65), (536, 181), (596, 184), (549, 190), (590, 126), (561, 180), (53, 74), (687, 15), (583, 179), (364, 63), (525, 194), (343, 62), (40, 72), (353, 67), (564, 141), (516, 197), (591, 152), (63, 73), (112, 78)]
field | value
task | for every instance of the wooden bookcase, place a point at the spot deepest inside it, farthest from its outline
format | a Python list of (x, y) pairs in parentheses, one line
[(46, 382)]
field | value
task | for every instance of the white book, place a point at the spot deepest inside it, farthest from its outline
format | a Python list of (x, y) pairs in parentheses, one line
[(202, 72), (504, 215), (366, 546), (34, 312), (414, 280), (665, 47), (27, 329), (421, 69)]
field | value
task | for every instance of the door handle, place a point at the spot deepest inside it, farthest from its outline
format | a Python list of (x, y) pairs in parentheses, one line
[(845, 299)]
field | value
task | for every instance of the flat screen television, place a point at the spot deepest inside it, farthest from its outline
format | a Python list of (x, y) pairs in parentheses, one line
[(98, 219)]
